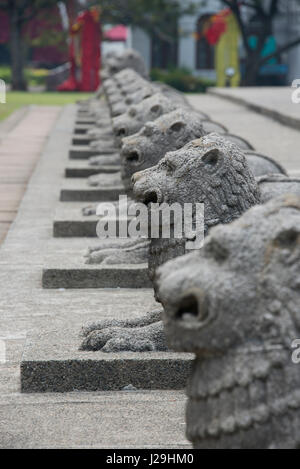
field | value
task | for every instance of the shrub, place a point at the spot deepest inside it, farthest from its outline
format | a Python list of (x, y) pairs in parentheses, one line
[(34, 76), (181, 79)]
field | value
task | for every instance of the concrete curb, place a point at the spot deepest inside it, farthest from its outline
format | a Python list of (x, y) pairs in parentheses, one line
[(283, 119)]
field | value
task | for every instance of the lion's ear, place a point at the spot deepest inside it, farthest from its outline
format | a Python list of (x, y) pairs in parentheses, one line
[(211, 158), (288, 238)]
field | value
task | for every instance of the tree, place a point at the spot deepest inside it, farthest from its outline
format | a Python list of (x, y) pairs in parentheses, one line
[(159, 18), (264, 12), (20, 12)]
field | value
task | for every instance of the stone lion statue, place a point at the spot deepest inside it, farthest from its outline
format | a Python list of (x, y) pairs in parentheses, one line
[(130, 58), (210, 170), (235, 304)]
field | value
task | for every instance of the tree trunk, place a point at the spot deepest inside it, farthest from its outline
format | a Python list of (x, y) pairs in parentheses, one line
[(251, 71), (17, 54), (253, 58)]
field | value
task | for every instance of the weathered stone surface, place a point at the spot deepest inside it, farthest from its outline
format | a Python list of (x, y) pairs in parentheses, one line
[(69, 222), (261, 165), (176, 96), (83, 276), (278, 184), (128, 59), (82, 129), (105, 160), (169, 132), (119, 105), (76, 190), (102, 147), (52, 363), (104, 180), (236, 304), (210, 126), (210, 170), (136, 116), (81, 120), (81, 169), (87, 138), (83, 152), (240, 142)]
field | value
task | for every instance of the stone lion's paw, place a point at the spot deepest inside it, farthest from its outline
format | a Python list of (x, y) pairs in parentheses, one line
[(105, 256), (117, 339)]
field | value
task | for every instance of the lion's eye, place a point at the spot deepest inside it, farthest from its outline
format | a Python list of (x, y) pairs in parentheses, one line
[(170, 167), (217, 250), (287, 239)]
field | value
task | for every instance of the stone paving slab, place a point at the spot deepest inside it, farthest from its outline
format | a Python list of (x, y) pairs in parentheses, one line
[(51, 362), (94, 420), (77, 190), (266, 135), (81, 169), (21, 143), (274, 102)]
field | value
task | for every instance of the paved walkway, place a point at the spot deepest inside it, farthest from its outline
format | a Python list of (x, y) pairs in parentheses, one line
[(266, 135), (274, 102), (20, 149), (116, 419)]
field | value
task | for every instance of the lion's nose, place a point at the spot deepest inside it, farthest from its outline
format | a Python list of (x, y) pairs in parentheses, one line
[(136, 177)]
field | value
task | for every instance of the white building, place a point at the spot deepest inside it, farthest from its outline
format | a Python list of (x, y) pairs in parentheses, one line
[(198, 55)]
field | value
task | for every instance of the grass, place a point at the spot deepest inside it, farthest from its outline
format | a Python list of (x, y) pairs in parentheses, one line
[(16, 99)]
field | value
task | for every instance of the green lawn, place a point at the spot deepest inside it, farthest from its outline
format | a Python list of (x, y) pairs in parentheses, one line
[(16, 99)]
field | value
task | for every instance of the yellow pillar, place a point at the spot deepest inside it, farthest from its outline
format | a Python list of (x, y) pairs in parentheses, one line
[(227, 53)]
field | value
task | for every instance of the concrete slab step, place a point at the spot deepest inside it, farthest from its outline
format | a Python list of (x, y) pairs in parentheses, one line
[(81, 169), (52, 363), (86, 120), (83, 152), (82, 129), (77, 189), (81, 139), (63, 266), (94, 276), (69, 221)]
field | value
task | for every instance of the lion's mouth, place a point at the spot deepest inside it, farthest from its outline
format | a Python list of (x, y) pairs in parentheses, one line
[(150, 197), (192, 308), (133, 157), (121, 132)]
